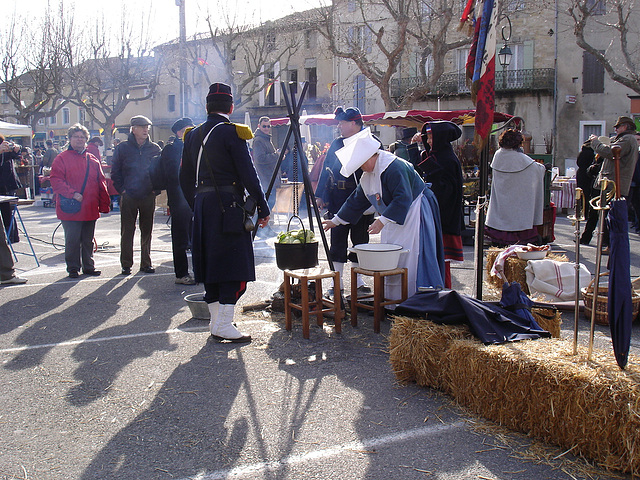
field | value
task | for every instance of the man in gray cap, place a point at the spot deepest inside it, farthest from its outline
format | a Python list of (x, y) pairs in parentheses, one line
[(625, 138), (130, 174), (181, 216)]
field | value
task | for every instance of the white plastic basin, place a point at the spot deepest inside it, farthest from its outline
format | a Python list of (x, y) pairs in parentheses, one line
[(378, 256)]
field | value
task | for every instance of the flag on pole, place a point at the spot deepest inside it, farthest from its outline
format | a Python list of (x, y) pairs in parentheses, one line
[(481, 68)]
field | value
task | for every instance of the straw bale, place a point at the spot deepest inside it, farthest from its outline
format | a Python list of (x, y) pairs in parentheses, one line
[(549, 319), (538, 388), (417, 347), (514, 268)]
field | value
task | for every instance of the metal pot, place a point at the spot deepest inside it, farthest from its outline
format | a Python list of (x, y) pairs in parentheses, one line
[(378, 256), (197, 305)]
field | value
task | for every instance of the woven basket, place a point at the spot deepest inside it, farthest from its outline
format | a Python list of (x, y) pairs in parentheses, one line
[(602, 315)]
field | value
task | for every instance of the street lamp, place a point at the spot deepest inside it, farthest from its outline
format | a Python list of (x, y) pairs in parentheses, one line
[(505, 54)]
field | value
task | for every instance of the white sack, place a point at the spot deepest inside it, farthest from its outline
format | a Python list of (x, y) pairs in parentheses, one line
[(554, 280)]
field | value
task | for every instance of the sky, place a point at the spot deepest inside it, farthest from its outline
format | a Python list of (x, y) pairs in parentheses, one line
[(164, 14)]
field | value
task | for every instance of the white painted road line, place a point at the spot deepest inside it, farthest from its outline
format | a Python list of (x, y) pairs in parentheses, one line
[(354, 447), (202, 329)]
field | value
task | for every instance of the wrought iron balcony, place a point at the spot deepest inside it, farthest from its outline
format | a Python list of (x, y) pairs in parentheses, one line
[(530, 80)]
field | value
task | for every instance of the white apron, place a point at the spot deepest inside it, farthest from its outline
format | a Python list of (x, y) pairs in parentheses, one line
[(407, 235)]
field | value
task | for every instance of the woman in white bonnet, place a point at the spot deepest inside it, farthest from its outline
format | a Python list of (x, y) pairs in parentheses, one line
[(407, 208)]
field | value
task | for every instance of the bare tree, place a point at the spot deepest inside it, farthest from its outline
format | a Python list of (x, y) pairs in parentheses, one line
[(32, 72), (237, 50), (378, 35), (108, 72), (616, 21)]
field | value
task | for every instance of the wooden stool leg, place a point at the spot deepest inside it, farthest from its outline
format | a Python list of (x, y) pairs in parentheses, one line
[(304, 290), (319, 304), (337, 303), (378, 298), (354, 299), (405, 282), (287, 302)]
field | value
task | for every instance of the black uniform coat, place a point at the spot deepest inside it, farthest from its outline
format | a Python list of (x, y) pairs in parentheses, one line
[(219, 257)]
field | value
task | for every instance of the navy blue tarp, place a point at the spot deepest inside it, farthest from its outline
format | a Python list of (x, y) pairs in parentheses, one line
[(491, 323)]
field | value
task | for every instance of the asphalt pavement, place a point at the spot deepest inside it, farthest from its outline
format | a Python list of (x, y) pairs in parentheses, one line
[(110, 378)]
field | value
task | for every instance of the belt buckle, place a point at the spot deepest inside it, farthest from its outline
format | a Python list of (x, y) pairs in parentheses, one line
[(342, 185)]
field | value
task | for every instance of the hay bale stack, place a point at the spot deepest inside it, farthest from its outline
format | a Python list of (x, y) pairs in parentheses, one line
[(540, 389), (417, 348), (536, 387)]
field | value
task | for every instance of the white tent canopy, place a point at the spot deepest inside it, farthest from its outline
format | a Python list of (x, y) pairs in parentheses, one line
[(15, 130)]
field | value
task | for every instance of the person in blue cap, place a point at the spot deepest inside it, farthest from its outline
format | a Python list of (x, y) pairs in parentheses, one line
[(333, 190), (180, 211)]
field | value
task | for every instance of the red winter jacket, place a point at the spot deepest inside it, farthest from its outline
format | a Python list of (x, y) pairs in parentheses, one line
[(67, 175)]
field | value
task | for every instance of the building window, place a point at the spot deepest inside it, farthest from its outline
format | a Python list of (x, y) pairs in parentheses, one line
[(172, 103), (359, 92), (271, 89), (41, 121), (592, 74), (310, 39), (53, 120), (82, 116), (515, 5), (591, 127), (4, 98), (312, 78), (270, 41), (66, 116), (597, 7), (293, 81)]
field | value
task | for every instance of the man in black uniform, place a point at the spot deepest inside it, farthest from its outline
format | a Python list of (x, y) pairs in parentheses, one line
[(213, 179), (334, 189), (178, 206)]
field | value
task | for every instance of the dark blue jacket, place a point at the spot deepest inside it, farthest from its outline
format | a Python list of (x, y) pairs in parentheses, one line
[(130, 167)]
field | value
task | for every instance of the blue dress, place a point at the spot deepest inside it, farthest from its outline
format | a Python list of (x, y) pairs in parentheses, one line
[(410, 212)]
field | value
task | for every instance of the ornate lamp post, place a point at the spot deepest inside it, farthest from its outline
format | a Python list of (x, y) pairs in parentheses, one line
[(505, 54)]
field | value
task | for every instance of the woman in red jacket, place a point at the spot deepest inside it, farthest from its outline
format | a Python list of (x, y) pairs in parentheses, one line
[(68, 174)]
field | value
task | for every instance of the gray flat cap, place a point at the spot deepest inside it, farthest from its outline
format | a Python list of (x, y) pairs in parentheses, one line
[(140, 120)]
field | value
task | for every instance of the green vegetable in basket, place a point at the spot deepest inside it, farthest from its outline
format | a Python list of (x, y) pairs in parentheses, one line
[(296, 236)]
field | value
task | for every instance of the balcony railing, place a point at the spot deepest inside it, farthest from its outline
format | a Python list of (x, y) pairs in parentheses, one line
[(530, 80)]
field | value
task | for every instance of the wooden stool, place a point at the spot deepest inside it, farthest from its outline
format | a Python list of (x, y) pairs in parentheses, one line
[(305, 275), (379, 301)]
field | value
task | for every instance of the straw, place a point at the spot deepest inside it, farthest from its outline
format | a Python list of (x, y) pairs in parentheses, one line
[(537, 387)]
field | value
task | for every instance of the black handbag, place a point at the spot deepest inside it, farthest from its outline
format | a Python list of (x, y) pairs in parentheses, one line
[(71, 205)]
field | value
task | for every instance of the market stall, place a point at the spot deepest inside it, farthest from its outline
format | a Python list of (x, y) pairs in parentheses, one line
[(400, 118)]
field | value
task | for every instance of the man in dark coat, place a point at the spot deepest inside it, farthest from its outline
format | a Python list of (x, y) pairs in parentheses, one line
[(588, 169), (405, 148), (441, 168), (130, 174), (49, 154), (265, 157), (180, 211), (9, 183), (216, 170), (7, 272), (333, 190)]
